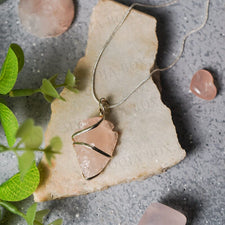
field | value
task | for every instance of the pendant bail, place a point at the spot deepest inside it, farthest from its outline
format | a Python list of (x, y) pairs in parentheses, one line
[(103, 107)]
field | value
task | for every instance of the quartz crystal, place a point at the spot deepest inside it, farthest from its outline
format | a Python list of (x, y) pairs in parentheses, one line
[(104, 138), (202, 85), (159, 214), (46, 18)]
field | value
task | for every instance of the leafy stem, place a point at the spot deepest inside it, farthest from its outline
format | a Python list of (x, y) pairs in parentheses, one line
[(60, 85), (29, 92), (23, 92), (28, 136), (12, 65), (24, 183), (32, 217), (48, 88), (10, 207), (5, 148)]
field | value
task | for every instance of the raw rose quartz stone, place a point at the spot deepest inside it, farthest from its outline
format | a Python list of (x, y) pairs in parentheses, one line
[(159, 214), (103, 137), (46, 18), (202, 85)]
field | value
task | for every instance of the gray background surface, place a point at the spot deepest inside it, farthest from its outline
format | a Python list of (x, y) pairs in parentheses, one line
[(196, 186)]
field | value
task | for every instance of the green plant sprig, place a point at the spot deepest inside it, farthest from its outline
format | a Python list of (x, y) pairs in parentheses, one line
[(26, 138), (48, 88), (24, 183), (30, 138), (12, 65), (32, 217)]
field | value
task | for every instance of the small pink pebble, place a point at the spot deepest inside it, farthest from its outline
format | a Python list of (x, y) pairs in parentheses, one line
[(159, 214), (46, 18), (202, 85)]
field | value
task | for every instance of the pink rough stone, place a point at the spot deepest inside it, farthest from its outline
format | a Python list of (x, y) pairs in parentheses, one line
[(159, 214), (46, 18), (202, 85), (103, 137)]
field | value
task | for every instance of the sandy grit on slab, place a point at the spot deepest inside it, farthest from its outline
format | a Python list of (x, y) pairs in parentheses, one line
[(148, 142)]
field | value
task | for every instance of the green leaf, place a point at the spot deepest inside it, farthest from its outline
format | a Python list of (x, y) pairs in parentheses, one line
[(31, 214), (34, 140), (3, 148), (25, 162), (48, 98), (9, 72), (9, 123), (10, 207), (31, 135), (25, 128), (16, 189), (48, 89), (53, 78), (57, 222), (70, 79), (23, 92), (56, 144), (75, 90), (19, 54), (39, 217)]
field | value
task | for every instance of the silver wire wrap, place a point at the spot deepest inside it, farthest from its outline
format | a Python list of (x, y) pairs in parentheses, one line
[(103, 108)]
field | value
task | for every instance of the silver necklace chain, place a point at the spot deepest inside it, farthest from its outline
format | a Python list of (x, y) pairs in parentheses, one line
[(110, 106)]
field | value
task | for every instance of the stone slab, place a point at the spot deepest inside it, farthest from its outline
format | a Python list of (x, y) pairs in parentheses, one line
[(148, 141)]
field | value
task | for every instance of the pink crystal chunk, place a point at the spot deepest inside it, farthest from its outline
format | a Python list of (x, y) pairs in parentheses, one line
[(159, 214), (104, 138), (202, 85), (46, 18)]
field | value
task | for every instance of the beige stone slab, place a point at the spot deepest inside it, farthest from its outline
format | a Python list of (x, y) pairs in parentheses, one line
[(148, 141)]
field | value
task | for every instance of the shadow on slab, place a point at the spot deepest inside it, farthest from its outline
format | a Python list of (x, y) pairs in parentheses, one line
[(165, 36)]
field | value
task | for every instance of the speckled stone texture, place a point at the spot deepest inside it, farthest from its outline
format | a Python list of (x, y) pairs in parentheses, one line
[(195, 187)]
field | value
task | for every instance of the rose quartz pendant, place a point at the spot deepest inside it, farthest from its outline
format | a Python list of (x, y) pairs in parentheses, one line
[(46, 18), (202, 85), (94, 147), (159, 214)]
